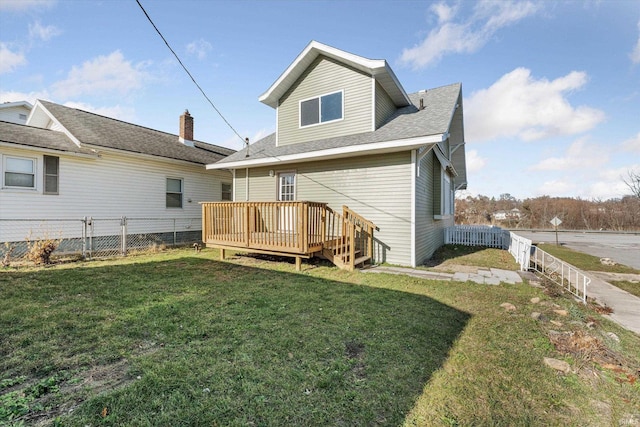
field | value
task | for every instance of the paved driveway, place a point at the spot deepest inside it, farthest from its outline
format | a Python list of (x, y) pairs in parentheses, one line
[(622, 248)]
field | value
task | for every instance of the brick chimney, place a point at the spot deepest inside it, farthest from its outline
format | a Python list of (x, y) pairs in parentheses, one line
[(186, 129)]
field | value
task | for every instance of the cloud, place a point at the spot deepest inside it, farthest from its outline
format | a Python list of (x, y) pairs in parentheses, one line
[(519, 106), (9, 60), (610, 183), (13, 96), (635, 53), (22, 5), (474, 161), (632, 144), (100, 76), (579, 155), (199, 48), (37, 31), (468, 34), (557, 188)]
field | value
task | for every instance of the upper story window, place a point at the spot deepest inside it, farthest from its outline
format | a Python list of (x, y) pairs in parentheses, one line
[(51, 174), (19, 172), (174, 193), (323, 109)]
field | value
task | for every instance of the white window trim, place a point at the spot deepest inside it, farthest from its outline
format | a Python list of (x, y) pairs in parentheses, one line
[(319, 97), (167, 192), (295, 185), (446, 195), (34, 161)]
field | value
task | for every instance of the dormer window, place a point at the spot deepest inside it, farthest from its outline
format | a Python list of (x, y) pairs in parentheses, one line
[(322, 109)]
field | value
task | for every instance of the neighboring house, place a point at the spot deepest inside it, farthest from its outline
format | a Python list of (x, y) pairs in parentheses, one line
[(67, 163), (347, 133), (15, 112), (502, 215)]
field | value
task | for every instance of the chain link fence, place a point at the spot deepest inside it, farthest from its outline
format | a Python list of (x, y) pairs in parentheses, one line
[(89, 237)]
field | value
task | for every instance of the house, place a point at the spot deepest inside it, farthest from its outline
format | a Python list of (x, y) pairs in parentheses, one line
[(15, 112), (65, 164), (348, 134)]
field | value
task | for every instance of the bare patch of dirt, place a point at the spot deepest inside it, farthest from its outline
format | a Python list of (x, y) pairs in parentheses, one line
[(355, 352)]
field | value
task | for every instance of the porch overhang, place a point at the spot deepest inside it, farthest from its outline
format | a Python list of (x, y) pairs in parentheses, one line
[(335, 153)]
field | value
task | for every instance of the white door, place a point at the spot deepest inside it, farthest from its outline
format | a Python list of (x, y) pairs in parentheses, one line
[(287, 193)]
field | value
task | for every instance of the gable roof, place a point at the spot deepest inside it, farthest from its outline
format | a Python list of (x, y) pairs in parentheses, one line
[(97, 131), (407, 128), (17, 134), (377, 68)]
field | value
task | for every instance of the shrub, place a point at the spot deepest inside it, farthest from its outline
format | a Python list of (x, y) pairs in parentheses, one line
[(39, 250)]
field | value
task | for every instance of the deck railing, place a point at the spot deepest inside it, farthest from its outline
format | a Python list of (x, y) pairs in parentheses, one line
[(292, 227), (299, 229), (349, 237)]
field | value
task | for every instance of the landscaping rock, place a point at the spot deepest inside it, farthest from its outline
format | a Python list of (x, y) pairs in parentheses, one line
[(535, 300), (563, 313), (539, 316), (613, 336), (558, 365), (607, 261), (508, 306), (536, 283), (556, 323)]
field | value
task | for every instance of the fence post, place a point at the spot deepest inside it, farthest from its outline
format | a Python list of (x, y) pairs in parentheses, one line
[(123, 224), (84, 237)]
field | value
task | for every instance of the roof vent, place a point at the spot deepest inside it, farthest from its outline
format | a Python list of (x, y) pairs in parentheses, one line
[(421, 104)]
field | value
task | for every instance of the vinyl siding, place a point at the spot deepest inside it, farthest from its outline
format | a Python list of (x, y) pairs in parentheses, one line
[(376, 187), (429, 232), (384, 106), (111, 186), (326, 76)]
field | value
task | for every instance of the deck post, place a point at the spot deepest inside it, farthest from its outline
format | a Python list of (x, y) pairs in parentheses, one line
[(298, 263), (222, 254)]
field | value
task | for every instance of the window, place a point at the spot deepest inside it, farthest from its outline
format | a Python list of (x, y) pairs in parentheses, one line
[(19, 172), (226, 192), (22, 116), (326, 108), (447, 195), (287, 187), (51, 174), (174, 193)]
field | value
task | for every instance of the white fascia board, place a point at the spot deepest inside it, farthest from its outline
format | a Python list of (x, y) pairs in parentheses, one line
[(49, 150), (444, 161), (334, 153), (53, 119), (313, 49)]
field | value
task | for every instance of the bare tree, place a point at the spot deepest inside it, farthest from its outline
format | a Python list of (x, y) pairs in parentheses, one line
[(633, 182)]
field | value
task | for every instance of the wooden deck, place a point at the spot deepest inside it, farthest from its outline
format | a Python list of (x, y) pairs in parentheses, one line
[(298, 229)]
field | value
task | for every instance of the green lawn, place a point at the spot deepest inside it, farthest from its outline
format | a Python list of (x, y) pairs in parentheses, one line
[(180, 338), (584, 261), (627, 285)]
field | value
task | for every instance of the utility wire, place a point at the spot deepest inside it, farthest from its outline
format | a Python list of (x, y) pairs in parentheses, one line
[(244, 141)]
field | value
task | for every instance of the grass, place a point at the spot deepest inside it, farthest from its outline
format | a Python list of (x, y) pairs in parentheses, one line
[(179, 338), (633, 287), (584, 261), (449, 257)]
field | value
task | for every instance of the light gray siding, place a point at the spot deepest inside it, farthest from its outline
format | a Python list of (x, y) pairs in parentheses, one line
[(376, 187), (429, 231), (384, 106), (325, 76)]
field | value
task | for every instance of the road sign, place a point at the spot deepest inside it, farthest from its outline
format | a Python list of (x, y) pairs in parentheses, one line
[(556, 221)]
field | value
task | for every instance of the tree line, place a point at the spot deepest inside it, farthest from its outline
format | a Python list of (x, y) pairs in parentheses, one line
[(576, 214)]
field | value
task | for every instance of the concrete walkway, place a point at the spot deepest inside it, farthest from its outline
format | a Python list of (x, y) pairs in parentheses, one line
[(626, 307), (486, 276)]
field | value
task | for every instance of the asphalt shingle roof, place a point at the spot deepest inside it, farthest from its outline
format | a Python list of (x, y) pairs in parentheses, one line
[(407, 122), (13, 133), (100, 131)]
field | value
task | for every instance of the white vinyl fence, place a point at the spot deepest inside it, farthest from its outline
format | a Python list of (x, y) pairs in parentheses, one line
[(97, 237), (528, 256)]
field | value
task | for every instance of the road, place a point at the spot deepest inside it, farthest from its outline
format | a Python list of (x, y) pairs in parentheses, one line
[(622, 248)]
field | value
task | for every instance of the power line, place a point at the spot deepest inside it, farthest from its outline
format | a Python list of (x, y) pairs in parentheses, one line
[(187, 71)]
